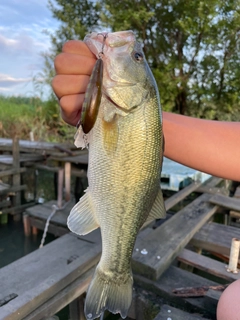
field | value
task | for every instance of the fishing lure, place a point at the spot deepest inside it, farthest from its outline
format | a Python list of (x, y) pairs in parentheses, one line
[(93, 94), (92, 98)]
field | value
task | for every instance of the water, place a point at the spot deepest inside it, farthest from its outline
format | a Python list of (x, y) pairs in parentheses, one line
[(13, 243)]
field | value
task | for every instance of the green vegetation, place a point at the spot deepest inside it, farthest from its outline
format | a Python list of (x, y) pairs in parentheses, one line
[(191, 46), (22, 115)]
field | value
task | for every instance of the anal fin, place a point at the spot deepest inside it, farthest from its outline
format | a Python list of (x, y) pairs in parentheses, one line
[(82, 218)]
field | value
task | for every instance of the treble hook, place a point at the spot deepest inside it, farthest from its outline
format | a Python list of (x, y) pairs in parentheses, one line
[(104, 35)]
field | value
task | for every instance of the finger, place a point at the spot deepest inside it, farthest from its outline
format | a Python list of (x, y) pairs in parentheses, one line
[(71, 108), (69, 84), (77, 47), (68, 63)]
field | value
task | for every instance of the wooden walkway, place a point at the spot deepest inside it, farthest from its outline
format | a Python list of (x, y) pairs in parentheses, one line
[(172, 263), (18, 156)]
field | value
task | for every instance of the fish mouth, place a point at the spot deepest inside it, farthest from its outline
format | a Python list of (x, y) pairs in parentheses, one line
[(127, 111)]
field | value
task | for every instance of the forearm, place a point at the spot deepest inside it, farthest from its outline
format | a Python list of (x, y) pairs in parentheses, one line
[(208, 146)]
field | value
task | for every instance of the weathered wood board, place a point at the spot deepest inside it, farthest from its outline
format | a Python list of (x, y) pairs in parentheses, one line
[(83, 159), (34, 146), (180, 195), (237, 193), (169, 312), (43, 211), (63, 297), (174, 278), (166, 242), (39, 276), (12, 171), (226, 202), (215, 237), (8, 159), (207, 264), (9, 189)]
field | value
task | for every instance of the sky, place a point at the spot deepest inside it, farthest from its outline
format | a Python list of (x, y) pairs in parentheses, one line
[(22, 40)]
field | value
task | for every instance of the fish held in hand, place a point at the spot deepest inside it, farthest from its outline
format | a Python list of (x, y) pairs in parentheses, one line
[(125, 159)]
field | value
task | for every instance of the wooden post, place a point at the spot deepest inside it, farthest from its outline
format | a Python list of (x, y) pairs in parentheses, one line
[(16, 180), (34, 230), (67, 168), (60, 187), (234, 253), (76, 309), (26, 225)]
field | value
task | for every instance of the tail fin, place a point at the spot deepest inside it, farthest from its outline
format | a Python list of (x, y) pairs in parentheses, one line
[(105, 293)]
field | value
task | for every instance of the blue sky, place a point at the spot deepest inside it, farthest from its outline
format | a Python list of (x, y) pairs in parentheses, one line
[(21, 41)]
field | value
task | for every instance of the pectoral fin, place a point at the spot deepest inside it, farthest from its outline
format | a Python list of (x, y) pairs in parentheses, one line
[(82, 218), (110, 135), (158, 210)]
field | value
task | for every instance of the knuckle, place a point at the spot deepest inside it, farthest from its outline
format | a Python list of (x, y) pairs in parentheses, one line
[(55, 85), (58, 62)]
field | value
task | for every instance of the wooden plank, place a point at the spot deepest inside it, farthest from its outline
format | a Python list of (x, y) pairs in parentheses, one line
[(193, 187), (5, 203), (8, 159), (81, 173), (43, 211), (47, 168), (237, 192), (211, 299), (34, 146), (40, 275), (173, 278), (212, 190), (4, 187), (207, 264), (215, 237), (166, 242), (180, 195), (226, 202), (54, 229), (63, 297), (18, 209), (81, 159), (234, 214), (169, 312), (13, 189), (12, 172), (213, 181)]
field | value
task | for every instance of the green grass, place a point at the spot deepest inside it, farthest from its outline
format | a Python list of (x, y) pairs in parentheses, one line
[(22, 115)]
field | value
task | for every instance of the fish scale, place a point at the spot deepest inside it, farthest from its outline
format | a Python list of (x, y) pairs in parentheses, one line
[(125, 158)]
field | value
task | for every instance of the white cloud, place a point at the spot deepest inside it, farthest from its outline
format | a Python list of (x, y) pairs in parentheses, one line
[(7, 81), (21, 41)]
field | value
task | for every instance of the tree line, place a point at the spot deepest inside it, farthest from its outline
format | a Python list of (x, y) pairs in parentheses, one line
[(192, 47)]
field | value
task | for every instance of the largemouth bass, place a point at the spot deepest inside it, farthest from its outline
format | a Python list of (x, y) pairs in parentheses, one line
[(125, 159)]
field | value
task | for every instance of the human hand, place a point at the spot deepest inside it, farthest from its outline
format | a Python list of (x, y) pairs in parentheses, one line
[(73, 69)]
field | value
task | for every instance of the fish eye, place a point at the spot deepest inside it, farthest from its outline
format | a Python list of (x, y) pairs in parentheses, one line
[(138, 56)]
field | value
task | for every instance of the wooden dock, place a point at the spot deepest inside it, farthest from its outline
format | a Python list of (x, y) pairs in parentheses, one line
[(18, 157), (175, 271), (179, 264)]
